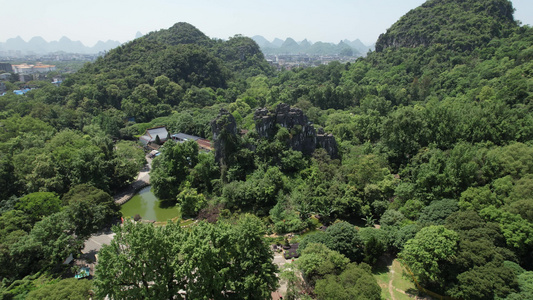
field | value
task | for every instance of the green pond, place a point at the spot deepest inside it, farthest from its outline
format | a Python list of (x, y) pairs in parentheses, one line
[(148, 207)]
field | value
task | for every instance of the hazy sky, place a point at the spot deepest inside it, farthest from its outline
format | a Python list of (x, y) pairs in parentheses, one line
[(327, 21)]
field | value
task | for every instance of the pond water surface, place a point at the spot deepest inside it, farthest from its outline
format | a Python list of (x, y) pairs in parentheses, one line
[(148, 207)]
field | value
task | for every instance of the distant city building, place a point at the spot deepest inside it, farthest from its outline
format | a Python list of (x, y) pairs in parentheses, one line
[(5, 76), (5, 67), (32, 69), (25, 77), (292, 61)]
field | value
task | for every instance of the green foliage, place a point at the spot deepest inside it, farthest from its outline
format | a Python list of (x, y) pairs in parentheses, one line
[(149, 248), (391, 217), (375, 241), (71, 288), (16, 125), (286, 217), (525, 283), (518, 232), (437, 212), (485, 282), (52, 239), (474, 23), (14, 220), (179, 33), (89, 209), (190, 201), (341, 237), (374, 248), (258, 192), (433, 128), (39, 205), (243, 54), (428, 250), (203, 174), (344, 238), (171, 168), (161, 261), (355, 282), (402, 235), (128, 160), (476, 198), (478, 270), (317, 261)]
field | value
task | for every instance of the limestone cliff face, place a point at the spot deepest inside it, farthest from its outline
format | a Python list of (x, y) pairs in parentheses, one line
[(224, 128), (304, 136), (328, 142)]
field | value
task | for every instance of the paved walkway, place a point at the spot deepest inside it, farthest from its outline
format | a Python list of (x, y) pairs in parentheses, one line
[(91, 248), (280, 261), (143, 180)]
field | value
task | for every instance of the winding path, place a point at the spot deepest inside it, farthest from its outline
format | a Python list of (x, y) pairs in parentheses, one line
[(143, 180), (390, 283)]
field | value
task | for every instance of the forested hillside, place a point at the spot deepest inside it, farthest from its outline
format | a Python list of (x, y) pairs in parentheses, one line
[(435, 145)]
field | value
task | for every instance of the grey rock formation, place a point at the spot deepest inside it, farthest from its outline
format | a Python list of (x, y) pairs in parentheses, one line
[(224, 128), (304, 136)]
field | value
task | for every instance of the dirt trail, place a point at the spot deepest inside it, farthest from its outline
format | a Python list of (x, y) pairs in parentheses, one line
[(390, 282)]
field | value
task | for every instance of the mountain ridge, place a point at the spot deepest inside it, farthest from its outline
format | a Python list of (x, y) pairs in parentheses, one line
[(38, 44), (459, 25), (290, 46)]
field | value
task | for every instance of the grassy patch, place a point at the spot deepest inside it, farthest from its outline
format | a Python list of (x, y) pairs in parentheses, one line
[(186, 222), (402, 287), (278, 240), (385, 293), (401, 296), (382, 275), (183, 222), (298, 237)]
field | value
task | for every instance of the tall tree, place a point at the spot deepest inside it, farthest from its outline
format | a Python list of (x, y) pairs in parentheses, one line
[(39, 205), (142, 262), (317, 261), (89, 209), (206, 261), (428, 250), (356, 282), (171, 168)]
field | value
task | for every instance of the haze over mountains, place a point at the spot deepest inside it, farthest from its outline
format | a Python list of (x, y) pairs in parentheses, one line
[(39, 45), (290, 46)]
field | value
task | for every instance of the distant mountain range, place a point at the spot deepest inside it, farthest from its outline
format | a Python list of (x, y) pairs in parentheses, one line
[(39, 46), (290, 46)]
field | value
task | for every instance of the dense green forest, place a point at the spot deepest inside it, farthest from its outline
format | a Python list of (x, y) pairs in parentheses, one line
[(435, 164)]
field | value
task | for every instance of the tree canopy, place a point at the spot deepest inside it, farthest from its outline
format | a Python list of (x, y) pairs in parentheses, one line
[(209, 261)]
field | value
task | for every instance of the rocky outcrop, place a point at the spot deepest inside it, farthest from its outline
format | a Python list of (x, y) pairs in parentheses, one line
[(328, 142), (304, 136), (224, 128)]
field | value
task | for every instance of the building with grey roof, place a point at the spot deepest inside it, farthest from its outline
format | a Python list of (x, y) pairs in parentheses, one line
[(151, 134)]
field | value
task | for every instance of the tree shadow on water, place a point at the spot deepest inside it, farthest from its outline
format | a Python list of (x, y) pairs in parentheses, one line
[(166, 204)]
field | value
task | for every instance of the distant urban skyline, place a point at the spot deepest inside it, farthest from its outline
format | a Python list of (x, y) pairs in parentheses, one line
[(102, 20)]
